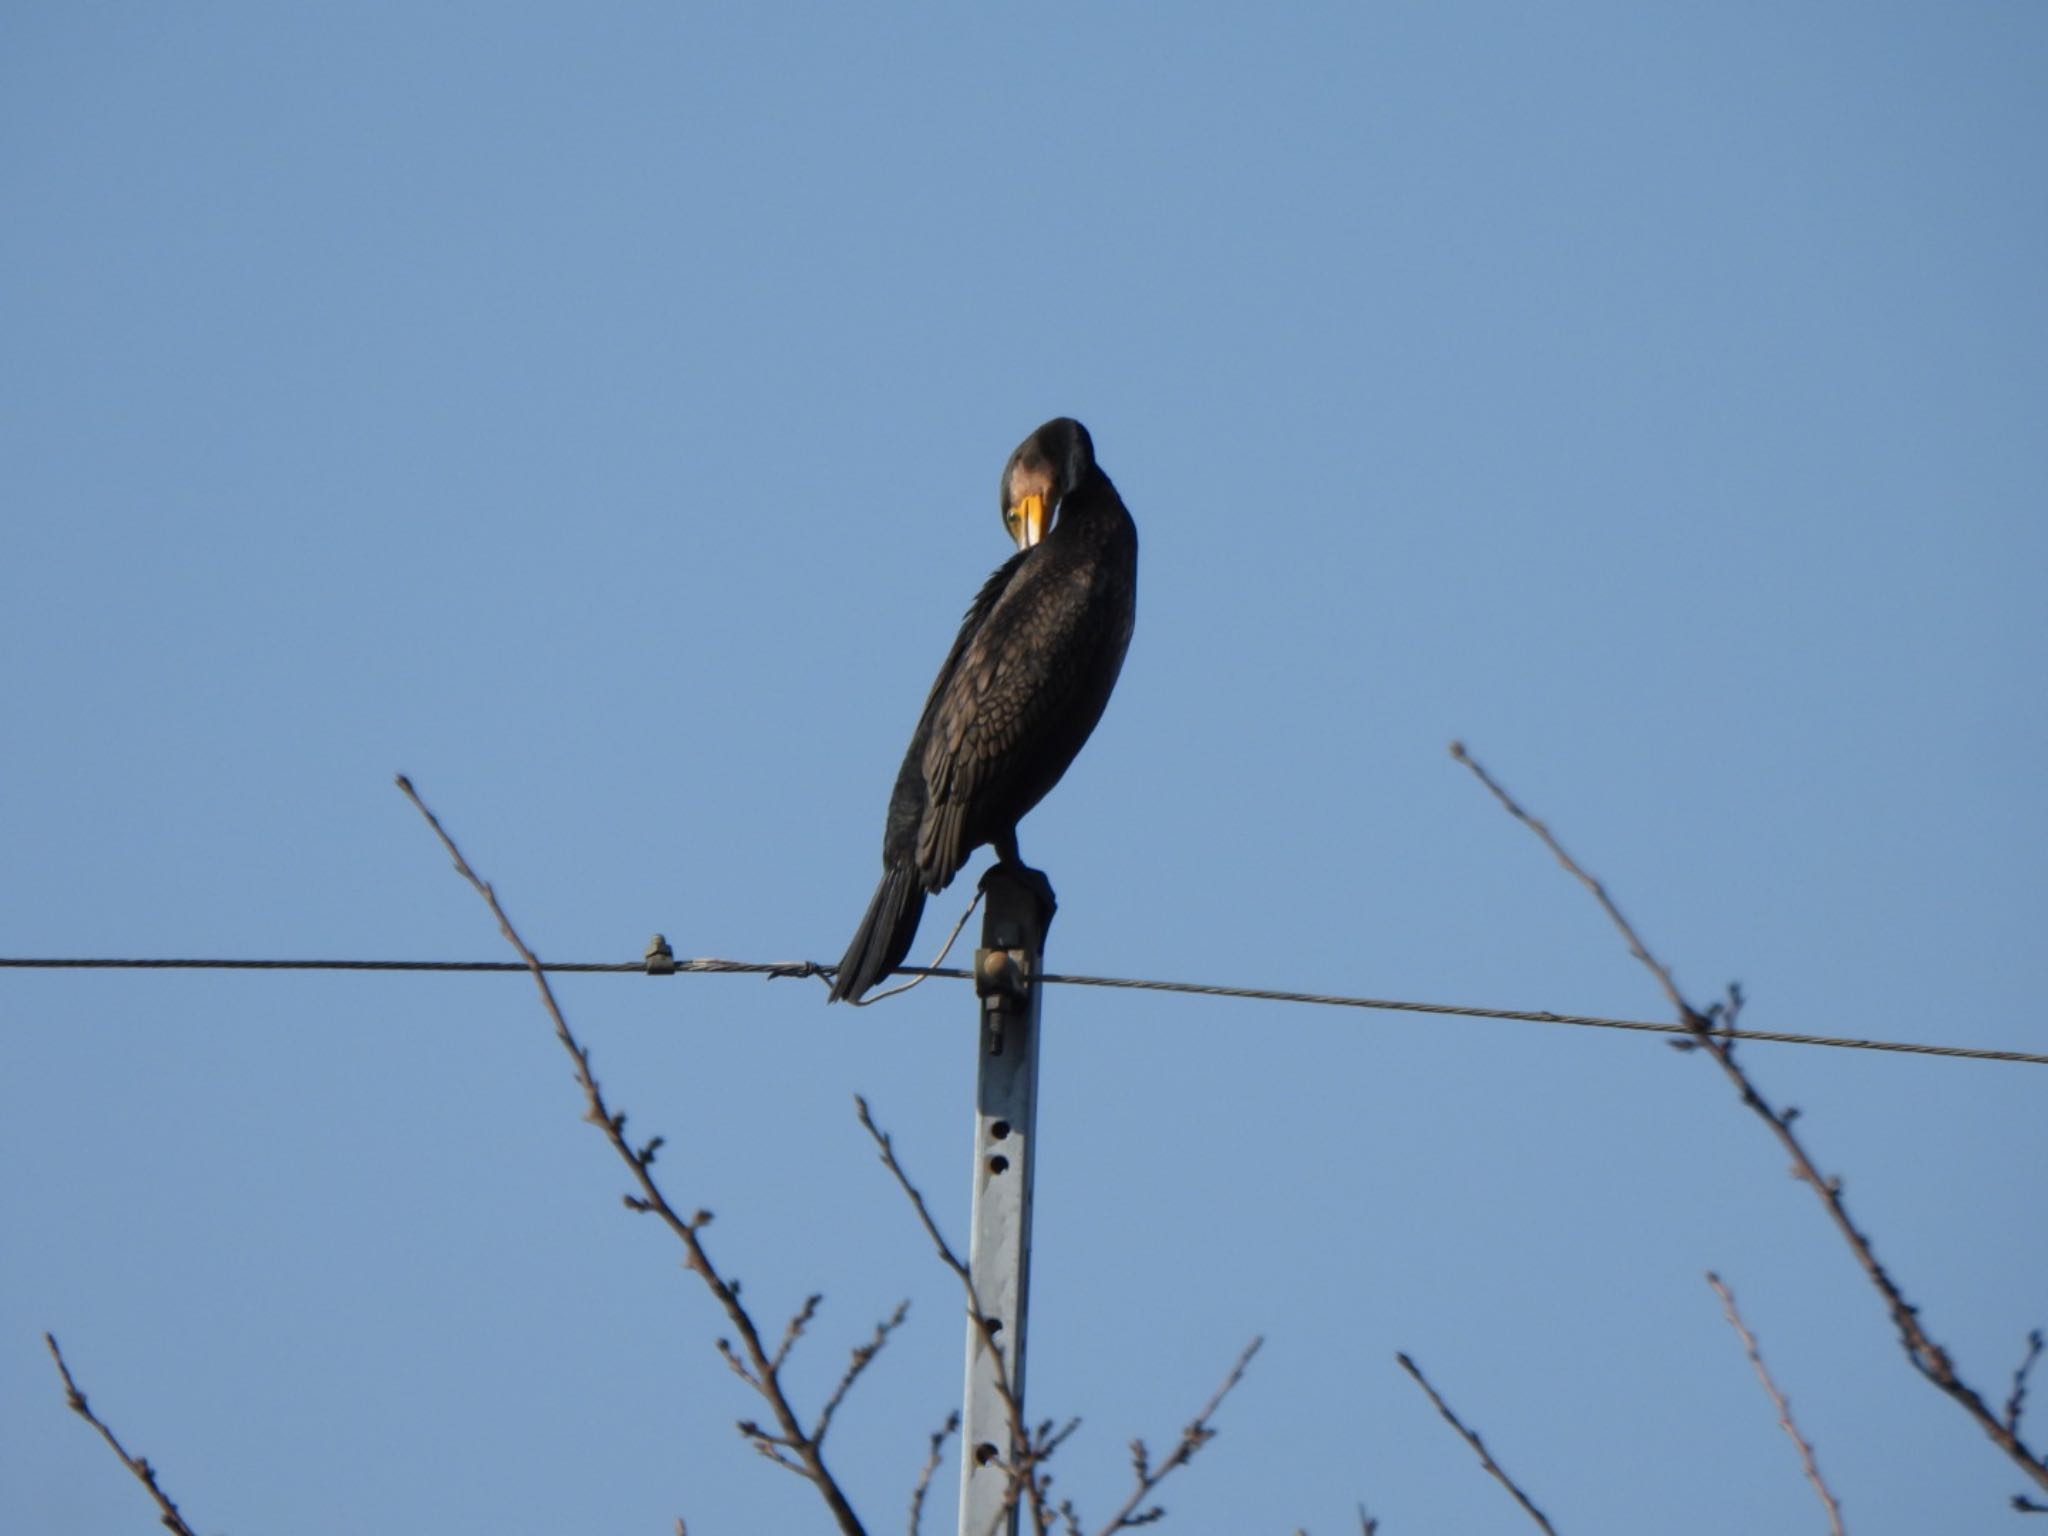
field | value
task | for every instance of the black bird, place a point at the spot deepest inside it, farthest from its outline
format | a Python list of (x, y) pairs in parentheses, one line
[(1024, 684)]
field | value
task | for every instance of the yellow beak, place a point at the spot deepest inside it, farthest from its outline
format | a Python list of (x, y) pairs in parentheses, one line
[(1027, 521)]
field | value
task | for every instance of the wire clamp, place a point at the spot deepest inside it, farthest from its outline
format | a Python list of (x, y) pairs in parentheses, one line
[(659, 960), (998, 978)]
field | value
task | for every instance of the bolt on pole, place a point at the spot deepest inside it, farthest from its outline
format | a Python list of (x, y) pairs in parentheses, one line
[(1006, 969)]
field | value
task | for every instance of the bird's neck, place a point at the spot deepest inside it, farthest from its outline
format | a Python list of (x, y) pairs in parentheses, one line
[(1086, 510)]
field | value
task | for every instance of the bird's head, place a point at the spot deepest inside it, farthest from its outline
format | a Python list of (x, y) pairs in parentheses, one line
[(1046, 468)]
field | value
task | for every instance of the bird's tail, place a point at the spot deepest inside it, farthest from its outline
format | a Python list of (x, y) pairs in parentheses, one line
[(884, 935)]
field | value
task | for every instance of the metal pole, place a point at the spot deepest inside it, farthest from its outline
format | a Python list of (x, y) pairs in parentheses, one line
[(1005, 1121)]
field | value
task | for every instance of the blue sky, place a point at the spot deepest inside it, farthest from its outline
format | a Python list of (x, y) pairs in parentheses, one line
[(595, 412)]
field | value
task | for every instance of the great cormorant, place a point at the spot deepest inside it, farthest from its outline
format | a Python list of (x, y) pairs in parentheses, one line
[(1024, 684)]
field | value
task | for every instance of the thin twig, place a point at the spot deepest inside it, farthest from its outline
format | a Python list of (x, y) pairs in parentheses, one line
[(886, 1145), (1926, 1356), (931, 1465), (863, 1357), (806, 1454), (1577, 872), (797, 1324), (139, 1465), (1197, 1434), (1784, 1408), (1475, 1442), (2016, 1403)]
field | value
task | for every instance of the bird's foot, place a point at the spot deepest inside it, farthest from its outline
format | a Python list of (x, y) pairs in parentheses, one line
[(1018, 873)]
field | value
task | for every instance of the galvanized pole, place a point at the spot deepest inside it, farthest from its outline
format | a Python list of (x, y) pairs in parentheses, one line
[(999, 1258)]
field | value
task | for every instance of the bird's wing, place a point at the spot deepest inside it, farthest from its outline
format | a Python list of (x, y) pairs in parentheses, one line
[(1010, 677), (908, 800)]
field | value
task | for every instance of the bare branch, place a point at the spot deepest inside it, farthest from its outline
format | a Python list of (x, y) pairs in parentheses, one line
[(795, 1330), (1475, 1442), (1926, 1356), (931, 1465), (1784, 1408), (2016, 1403), (144, 1472), (887, 1147), (1572, 867), (804, 1453), (863, 1357), (1197, 1434)]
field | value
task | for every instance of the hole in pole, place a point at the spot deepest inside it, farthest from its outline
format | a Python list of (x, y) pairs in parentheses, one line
[(985, 1453), (999, 1164), (995, 1325), (1000, 1130)]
